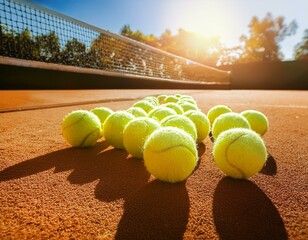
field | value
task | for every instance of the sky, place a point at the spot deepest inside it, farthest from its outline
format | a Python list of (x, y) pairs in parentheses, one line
[(228, 19)]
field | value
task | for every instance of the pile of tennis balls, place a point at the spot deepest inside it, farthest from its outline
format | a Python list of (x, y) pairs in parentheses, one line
[(164, 132)]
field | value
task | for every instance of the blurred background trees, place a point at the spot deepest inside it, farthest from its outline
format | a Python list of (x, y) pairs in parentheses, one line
[(262, 43), (265, 36), (301, 49)]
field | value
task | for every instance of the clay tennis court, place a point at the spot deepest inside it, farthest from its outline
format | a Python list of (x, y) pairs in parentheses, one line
[(49, 190)]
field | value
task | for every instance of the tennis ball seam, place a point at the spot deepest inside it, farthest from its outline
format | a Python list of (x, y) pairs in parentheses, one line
[(72, 124), (226, 154), (86, 137), (169, 148)]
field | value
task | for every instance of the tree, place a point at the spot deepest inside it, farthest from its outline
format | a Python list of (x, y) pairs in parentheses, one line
[(265, 35), (48, 47), (126, 31), (74, 54), (301, 49)]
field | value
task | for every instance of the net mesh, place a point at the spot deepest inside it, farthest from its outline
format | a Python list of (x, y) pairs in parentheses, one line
[(30, 32)]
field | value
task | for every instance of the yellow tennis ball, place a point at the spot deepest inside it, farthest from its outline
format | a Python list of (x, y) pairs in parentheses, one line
[(159, 113), (114, 127), (152, 100), (136, 133), (216, 111), (174, 106), (201, 122), (181, 122), (239, 153), (102, 113), (137, 112), (145, 105), (81, 128), (184, 96), (257, 120), (187, 100), (170, 154), (227, 121), (188, 106), (171, 98), (161, 98)]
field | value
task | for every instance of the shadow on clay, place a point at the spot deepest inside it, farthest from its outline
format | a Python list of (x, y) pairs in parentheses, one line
[(270, 167), (242, 210), (157, 211)]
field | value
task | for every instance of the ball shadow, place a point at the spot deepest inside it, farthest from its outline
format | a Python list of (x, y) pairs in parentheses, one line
[(242, 211), (201, 150), (270, 167), (157, 211), (117, 175), (121, 177), (211, 137)]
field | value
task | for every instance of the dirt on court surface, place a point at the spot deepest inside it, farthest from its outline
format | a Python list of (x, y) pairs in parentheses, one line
[(49, 190)]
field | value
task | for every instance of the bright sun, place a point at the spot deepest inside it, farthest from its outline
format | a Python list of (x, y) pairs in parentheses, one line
[(210, 18)]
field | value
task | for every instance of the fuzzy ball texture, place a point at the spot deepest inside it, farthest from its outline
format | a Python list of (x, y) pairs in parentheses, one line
[(145, 105), (170, 154), (201, 122), (81, 128), (227, 121), (136, 133), (171, 98), (102, 113), (257, 120), (160, 113), (216, 111), (174, 106), (181, 122), (137, 112), (114, 127), (161, 98), (188, 106), (152, 100), (239, 153), (187, 100)]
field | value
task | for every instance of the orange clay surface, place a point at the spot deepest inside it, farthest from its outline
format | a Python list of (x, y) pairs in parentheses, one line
[(49, 190)]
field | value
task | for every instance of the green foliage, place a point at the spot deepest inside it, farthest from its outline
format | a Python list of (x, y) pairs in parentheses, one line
[(106, 52), (301, 49), (262, 44), (48, 47), (187, 44)]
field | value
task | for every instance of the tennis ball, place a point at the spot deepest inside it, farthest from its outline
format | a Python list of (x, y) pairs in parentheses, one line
[(184, 96), (181, 122), (114, 127), (171, 98), (185, 100), (81, 128), (161, 98), (170, 154), (102, 113), (227, 121), (159, 113), (201, 122), (216, 111), (137, 112), (239, 153), (145, 105), (174, 106), (257, 120), (135, 134), (152, 100), (188, 106)]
